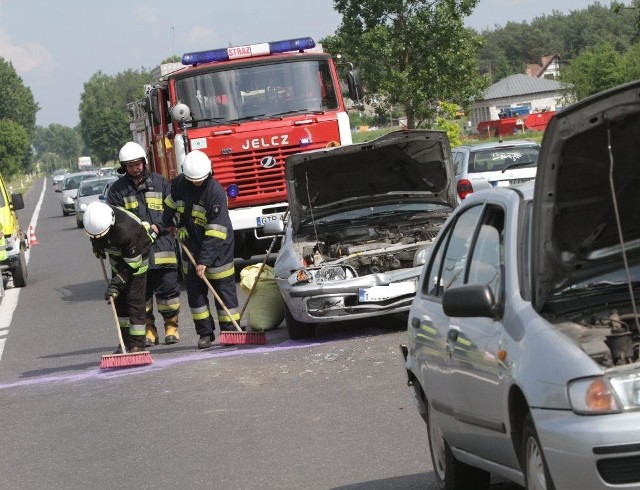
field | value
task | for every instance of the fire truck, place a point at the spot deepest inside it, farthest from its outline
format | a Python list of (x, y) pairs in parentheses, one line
[(248, 108)]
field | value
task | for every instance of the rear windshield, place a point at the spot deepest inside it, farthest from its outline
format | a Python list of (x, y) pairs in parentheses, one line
[(496, 159)]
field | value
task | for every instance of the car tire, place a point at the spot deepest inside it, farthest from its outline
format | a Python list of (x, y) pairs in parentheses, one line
[(19, 272), (534, 466), (65, 213), (79, 223), (450, 473), (298, 330)]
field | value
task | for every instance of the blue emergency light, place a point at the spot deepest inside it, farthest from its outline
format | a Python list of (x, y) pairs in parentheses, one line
[(251, 50), (233, 190)]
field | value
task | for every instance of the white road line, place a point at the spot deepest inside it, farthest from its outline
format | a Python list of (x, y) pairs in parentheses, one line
[(10, 300)]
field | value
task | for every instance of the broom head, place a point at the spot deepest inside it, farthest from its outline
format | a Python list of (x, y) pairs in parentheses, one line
[(130, 359), (237, 338)]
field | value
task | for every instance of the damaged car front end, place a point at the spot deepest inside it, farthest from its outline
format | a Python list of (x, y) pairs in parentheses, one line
[(361, 219)]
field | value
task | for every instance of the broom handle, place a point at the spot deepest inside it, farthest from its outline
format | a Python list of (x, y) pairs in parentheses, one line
[(113, 308), (213, 291), (264, 262)]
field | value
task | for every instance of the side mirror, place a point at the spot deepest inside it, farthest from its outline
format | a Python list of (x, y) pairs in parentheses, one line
[(17, 201), (470, 300), (355, 85)]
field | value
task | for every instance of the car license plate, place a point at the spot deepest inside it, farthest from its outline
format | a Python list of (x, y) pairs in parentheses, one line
[(261, 220), (507, 183), (380, 293)]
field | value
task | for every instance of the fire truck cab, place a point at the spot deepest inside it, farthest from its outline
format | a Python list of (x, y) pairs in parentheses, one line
[(248, 108)]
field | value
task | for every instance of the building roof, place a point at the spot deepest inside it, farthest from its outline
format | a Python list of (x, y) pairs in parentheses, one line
[(515, 85)]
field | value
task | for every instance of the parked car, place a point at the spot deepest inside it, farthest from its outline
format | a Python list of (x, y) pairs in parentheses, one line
[(486, 165), (524, 334), (90, 190), (360, 220), (57, 177), (70, 190), (14, 265)]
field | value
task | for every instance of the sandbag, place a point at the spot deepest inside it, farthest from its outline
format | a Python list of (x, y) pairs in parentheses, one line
[(265, 310)]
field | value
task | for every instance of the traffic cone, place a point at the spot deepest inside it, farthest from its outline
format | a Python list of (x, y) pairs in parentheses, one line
[(32, 237)]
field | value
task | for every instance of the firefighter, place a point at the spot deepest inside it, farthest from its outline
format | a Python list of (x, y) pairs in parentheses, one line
[(142, 192), (205, 228), (120, 234)]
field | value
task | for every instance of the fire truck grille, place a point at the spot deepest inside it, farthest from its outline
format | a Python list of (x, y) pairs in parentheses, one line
[(259, 174)]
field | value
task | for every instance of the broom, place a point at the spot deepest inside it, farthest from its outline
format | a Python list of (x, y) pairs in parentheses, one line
[(230, 338), (126, 359)]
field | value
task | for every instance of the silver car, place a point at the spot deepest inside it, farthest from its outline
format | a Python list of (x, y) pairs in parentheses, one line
[(90, 190), (70, 186), (524, 335), (497, 164), (361, 219)]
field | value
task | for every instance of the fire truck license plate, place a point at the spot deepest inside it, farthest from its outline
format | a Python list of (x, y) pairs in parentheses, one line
[(261, 220)]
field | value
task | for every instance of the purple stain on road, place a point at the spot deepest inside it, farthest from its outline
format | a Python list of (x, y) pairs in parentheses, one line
[(216, 352)]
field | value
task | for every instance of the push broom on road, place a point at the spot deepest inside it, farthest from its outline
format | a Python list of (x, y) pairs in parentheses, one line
[(230, 338)]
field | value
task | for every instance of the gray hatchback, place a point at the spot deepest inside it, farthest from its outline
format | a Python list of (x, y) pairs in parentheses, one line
[(524, 335), (498, 164)]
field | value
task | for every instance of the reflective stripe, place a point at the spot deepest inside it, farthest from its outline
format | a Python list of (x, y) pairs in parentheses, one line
[(170, 203), (220, 272), (200, 313), (123, 321), (137, 329), (130, 202), (216, 231), (154, 200), (166, 305), (160, 258), (143, 268), (224, 318), (134, 262)]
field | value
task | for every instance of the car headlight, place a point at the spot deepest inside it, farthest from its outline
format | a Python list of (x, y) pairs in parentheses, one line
[(605, 394), (83, 206), (323, 274), (67, 199), (421, 256)]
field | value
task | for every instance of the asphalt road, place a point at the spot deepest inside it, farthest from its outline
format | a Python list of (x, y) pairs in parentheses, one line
[(332, 413)]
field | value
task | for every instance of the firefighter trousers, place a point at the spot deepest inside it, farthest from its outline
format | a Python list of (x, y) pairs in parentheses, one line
[(130, 306), (198, 298), (162, 283)]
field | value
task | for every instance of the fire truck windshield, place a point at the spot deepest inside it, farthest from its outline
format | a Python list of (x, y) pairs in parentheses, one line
[(259, 91)]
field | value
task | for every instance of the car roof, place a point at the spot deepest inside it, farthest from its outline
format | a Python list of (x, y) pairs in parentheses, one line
[(75, 174), (496, 144)]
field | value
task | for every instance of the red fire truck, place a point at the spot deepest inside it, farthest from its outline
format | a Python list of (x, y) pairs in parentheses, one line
[(248, 108)]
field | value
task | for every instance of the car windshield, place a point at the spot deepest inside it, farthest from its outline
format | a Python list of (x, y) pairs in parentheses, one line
[(74, 182), (497, 159), (91, 188)]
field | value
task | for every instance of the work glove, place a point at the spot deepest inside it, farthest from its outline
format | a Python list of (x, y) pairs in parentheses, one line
[(115, 287), (182, 234), (99, 253)]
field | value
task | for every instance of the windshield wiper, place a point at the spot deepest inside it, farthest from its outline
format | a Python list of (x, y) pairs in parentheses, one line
[(217, 120), (516, 165), (297, 111), (248, 118)]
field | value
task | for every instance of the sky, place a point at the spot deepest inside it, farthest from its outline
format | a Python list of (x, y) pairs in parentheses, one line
[(56, 46)]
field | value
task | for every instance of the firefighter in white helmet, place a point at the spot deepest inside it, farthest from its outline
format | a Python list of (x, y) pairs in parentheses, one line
[(142, 192), (205, 228), (120, 234)]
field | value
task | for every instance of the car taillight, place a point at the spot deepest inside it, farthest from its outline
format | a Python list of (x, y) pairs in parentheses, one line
[(464, 188)]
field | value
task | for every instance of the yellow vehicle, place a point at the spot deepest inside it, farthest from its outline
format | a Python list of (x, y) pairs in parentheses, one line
[(13, 240)]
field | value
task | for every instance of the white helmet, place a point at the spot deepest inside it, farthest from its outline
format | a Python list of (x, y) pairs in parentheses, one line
[(130, 152), (98, 218), (196, 165)]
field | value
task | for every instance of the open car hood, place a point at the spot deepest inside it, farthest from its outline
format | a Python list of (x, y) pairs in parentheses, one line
[(589, 165), (401, 166)]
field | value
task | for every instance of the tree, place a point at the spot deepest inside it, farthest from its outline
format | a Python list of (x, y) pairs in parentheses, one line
[(413, 53), (62, 141), (104, 124), (14, 146)]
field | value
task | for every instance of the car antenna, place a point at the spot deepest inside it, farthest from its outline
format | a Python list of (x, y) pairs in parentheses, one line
[(619, 227), (313, 220)]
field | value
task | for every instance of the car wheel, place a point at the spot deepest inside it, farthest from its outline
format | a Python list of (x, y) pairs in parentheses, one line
[(536, 473), (78, 222), (298, 330), (65, 213), (19, 272), (450, 473)]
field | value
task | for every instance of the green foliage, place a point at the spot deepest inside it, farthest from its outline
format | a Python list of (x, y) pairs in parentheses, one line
[(446, 122), (412, 54), (104, 124), (60, 140), (14, 145)]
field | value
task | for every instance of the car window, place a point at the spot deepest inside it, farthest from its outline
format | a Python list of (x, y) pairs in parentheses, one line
[(458, 158), (485, 265), (497, 159), (449, 271)]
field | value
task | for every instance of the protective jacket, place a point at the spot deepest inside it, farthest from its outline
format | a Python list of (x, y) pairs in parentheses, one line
[(204, 213), (127, 243), (145, 200)]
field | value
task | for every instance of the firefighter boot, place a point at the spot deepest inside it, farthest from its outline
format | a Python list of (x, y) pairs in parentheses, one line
[(137, 343), (151, 336), (171, 335)]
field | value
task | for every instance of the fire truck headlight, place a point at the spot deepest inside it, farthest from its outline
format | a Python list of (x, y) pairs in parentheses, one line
[(233, 190)]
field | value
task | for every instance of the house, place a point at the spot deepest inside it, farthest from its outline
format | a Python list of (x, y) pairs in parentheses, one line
[(549, 67), (527, 93)]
